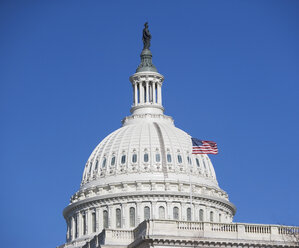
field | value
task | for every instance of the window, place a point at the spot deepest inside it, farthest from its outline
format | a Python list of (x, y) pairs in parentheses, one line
[(168, 158), (147, 213), (188, 214), (200, 215), (211, 216), (118, 218), (123, 159), (197, 162), (158, 157), (96, 167), (93, 222), (180, 159), (70, 228), (76, 227), (220, 217), (161, 212), (144, 90), (189, 160), (132, 216), (175, 213), (84, 224), (90, 165), (134, 158), (204, 164), (105, 219), (104, 163), (145, 157), (113, 160)]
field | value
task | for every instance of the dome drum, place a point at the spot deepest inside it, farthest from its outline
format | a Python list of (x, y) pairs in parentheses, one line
[(126, 211)]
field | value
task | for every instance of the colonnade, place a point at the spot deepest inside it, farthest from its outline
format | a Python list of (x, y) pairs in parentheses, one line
[(147, 92), (93, 220)]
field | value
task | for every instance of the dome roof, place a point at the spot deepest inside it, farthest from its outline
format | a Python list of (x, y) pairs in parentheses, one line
[(147, 147)]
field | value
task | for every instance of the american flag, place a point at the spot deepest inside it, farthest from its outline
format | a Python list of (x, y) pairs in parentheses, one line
[(204, 147)]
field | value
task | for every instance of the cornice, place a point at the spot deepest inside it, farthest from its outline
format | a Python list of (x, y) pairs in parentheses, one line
[(119, 197)]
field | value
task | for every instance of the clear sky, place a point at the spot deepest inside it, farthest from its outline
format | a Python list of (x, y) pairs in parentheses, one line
[(231, 75)]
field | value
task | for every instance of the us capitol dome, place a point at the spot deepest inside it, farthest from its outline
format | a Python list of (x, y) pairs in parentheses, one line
[(144, 174)]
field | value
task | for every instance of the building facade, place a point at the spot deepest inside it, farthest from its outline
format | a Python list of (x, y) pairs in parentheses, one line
[(143, 187)]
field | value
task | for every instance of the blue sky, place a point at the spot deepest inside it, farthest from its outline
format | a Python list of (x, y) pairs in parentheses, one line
[(231, 75)]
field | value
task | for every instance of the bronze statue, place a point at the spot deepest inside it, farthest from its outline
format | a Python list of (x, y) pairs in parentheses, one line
[(146, 37)]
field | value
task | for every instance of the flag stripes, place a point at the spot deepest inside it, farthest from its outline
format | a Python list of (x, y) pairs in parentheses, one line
[(204, 147)]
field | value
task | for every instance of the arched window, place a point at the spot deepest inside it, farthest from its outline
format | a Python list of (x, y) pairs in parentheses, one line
[(76, 227), (84, 224), (158, 157), (104, 163), (147, 213), (204, 164), (211, 216), (168, 158), (70, 228), (105, 219), (93, 221), (118, 218), (113, 160), (189, 214), (175, 213), (134, 158), (145, 157), (200, 215), (197, 162), (123, 159), (90, 165), (220, 217), (180, 159), (132, 217), (189, 160), (97, 163), (161, 212)]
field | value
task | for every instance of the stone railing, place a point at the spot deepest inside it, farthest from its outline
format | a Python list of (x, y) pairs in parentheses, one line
[(189, 225), (293, 230), (235, 231), (220, 227), (196, 230)]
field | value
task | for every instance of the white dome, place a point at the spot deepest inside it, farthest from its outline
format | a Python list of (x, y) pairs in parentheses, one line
[(147, 147)]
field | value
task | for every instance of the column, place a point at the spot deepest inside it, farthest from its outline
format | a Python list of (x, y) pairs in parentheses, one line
[(147, 92), (183, 211), (111, 217), (123, 209), (169, 210), (155, 214), (141, 93), (135, 95), (78, 225), (88, 220), (138, 213), (72, 228), (159, 94), (99, 219)]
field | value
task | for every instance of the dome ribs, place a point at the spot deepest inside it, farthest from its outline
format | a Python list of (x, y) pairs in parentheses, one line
[(162, 148)]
